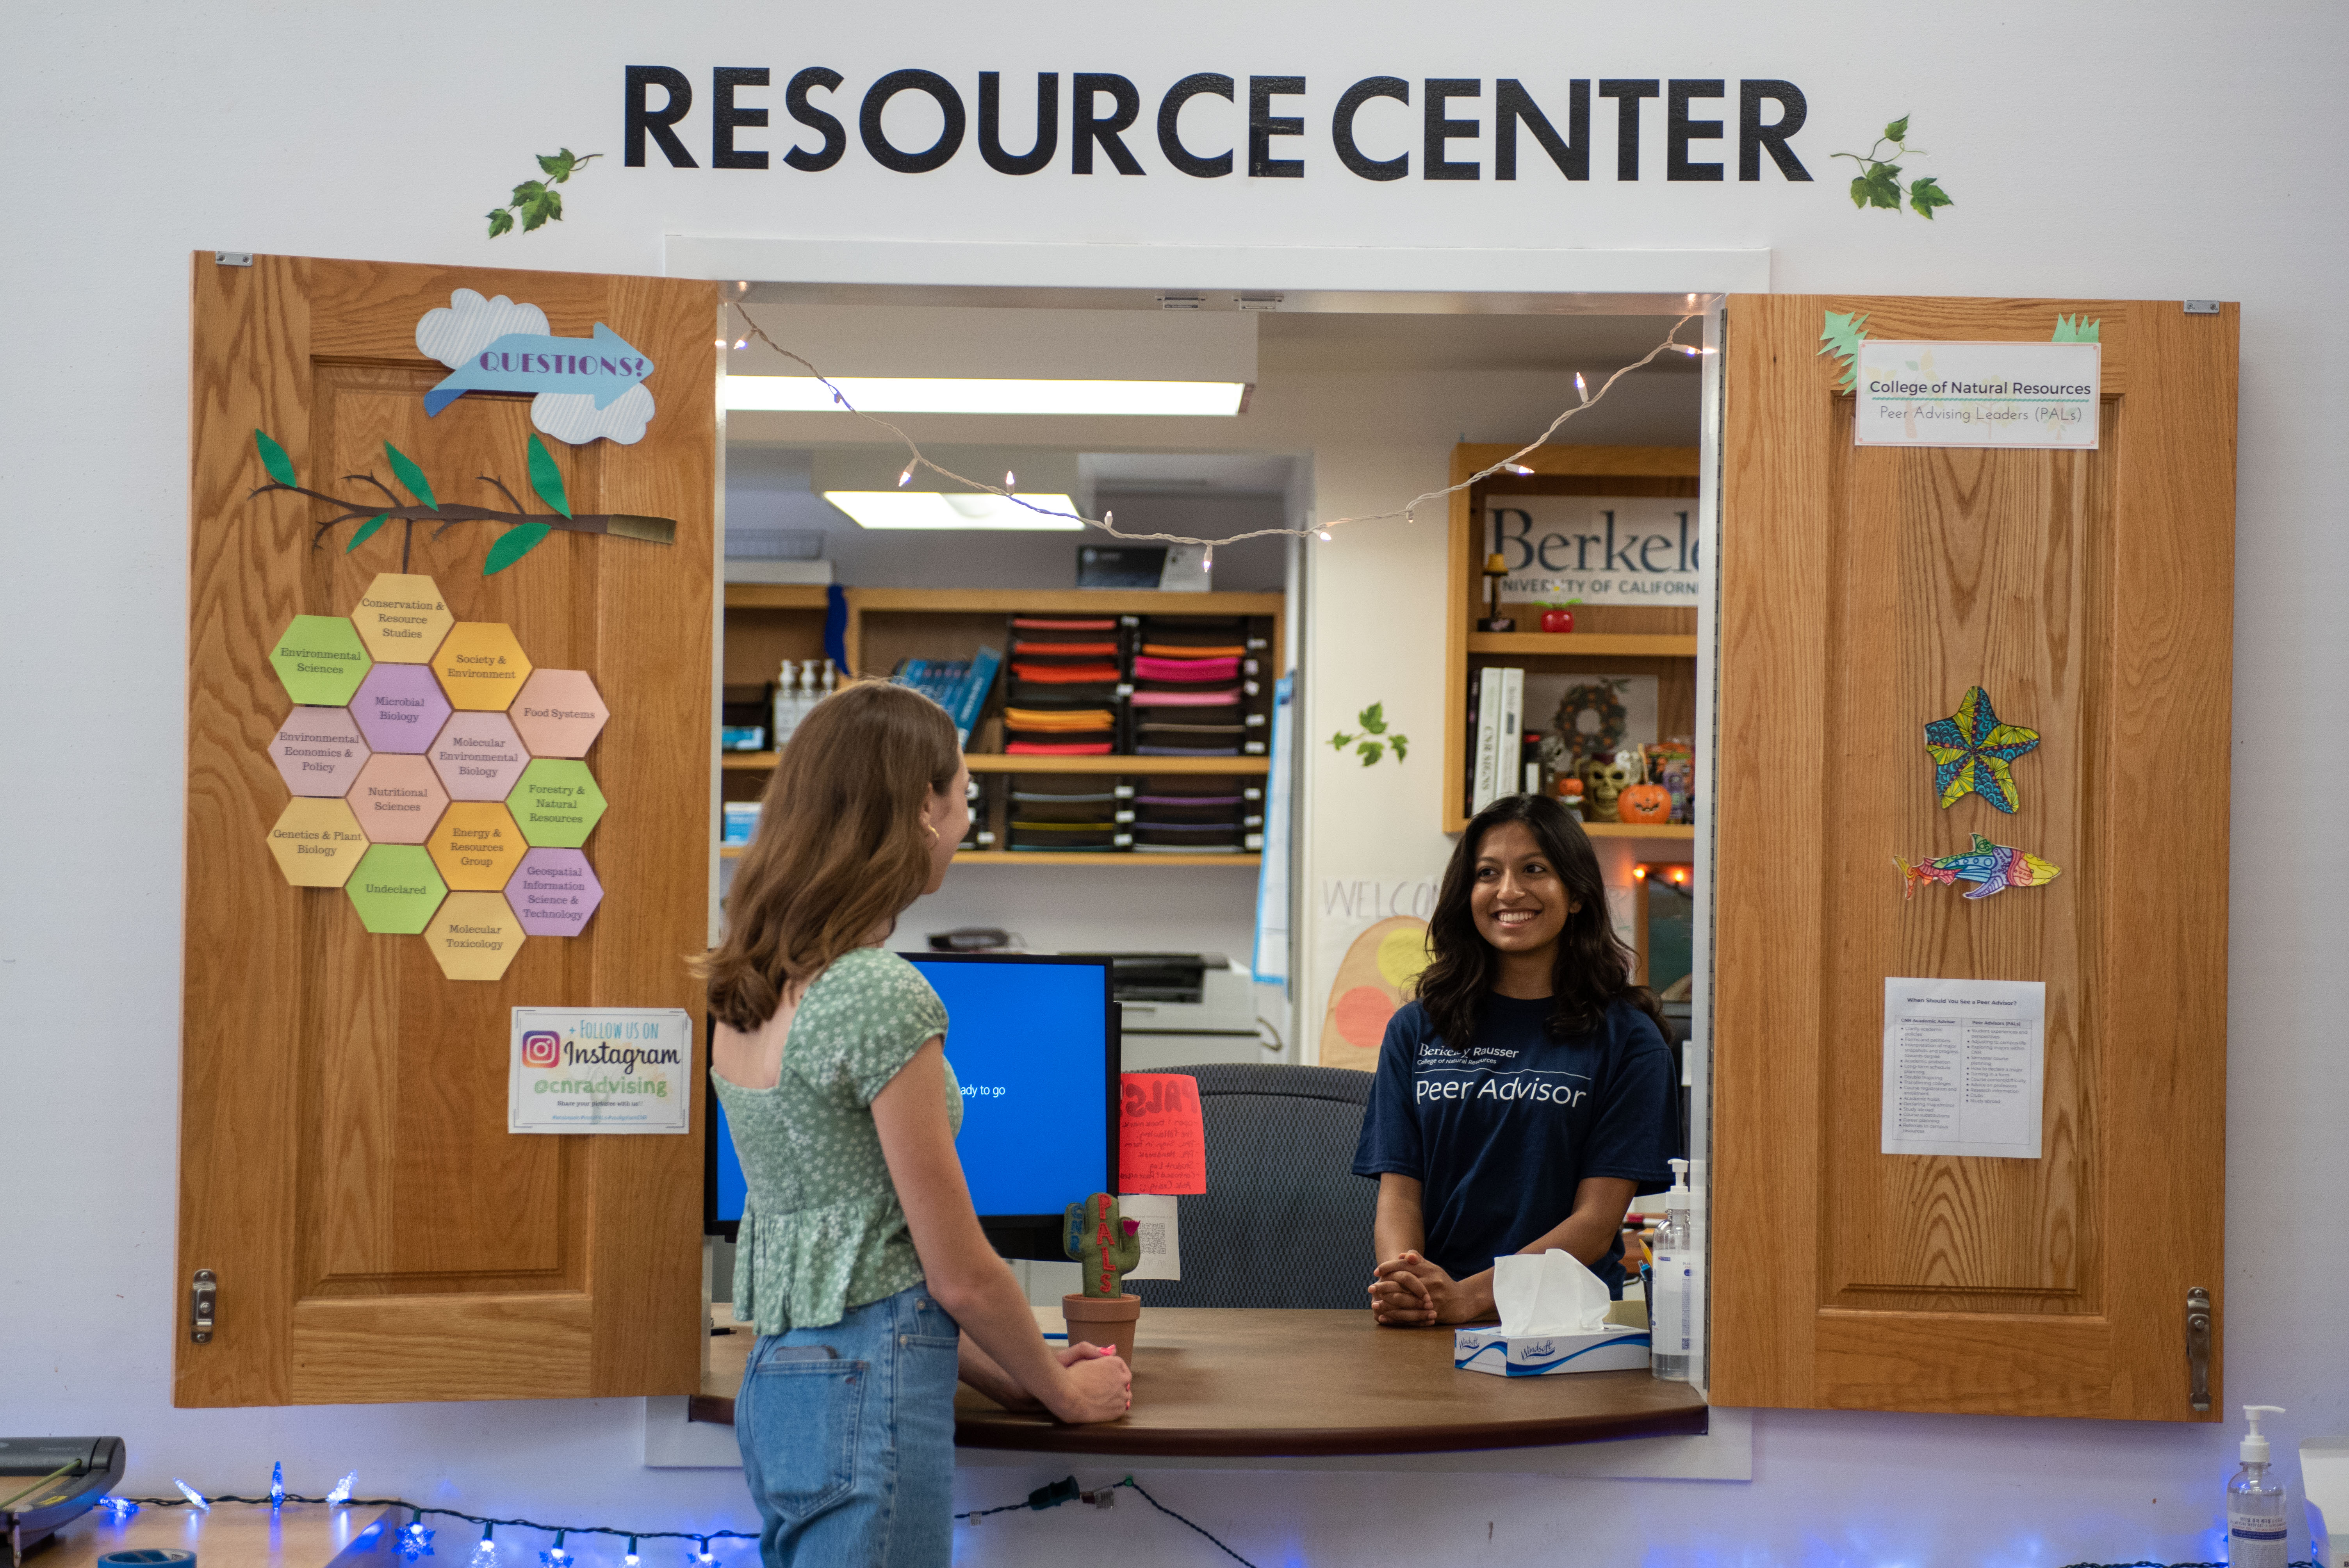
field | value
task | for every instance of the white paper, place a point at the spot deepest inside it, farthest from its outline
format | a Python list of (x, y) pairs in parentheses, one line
[(1547, 1292), (1977, 394), (600, 1070), (1964, 1066), (1156, 1228)]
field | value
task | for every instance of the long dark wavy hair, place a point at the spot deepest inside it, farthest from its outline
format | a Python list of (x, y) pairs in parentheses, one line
[(1593, 968)]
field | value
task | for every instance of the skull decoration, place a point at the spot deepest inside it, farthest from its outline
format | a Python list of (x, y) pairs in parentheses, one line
[(1604, 779)]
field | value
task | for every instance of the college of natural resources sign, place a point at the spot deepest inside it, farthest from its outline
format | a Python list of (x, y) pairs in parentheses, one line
[(1977, 394)]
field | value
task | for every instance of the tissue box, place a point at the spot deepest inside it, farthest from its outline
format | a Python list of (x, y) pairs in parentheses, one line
[(1614, 1348)]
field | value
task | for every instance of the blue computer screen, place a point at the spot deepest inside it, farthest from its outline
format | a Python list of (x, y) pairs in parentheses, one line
[(1026, 1040)]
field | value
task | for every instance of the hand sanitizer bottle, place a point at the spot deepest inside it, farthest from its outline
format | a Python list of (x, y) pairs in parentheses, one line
[(2255, 1512), (788, 706), (1672, 1298)]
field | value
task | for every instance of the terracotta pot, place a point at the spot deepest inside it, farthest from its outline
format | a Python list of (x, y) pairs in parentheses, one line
[(1106, 1321)]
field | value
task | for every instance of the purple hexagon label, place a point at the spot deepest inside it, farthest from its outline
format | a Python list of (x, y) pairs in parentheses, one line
[(554, 892), (318, 750), (401, 708), (478, 756)]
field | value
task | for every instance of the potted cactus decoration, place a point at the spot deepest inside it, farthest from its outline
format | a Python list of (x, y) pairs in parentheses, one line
[(1106, 1247)]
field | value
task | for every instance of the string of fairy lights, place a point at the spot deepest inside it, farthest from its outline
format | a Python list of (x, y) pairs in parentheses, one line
[(1324, 531)]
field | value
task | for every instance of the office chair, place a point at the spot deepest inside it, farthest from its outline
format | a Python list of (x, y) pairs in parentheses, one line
[(1285, 1221)]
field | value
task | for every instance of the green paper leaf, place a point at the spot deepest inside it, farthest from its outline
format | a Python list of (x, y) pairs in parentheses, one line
[(1340, 741), (528, 189), (557, 167), (1926, 194), (366, 531), (273, 458), (546, 478), (1369, 751), (1373, 718), (1879, 187), (410, 475), (1898, 130), (500, 222), (2077, 329), (1402, 744), (513, 544)]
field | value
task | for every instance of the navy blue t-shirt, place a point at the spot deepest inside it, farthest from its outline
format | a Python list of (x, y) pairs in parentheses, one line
[(1500, 1132)]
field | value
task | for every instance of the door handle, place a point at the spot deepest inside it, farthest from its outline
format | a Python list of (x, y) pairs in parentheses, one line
[(2198, 1348), (204, 1298)]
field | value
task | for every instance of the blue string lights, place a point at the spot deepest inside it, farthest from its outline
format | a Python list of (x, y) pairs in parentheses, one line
[(341, 1494), (486, 1552), (414, 1541), (278, 1485), (195, 1499), (555, 1556)]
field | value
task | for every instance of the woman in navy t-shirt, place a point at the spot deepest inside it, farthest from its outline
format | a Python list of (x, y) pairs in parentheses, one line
[(1528, 1094)]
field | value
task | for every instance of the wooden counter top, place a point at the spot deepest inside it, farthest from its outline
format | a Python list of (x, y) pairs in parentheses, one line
[(1252, 1383), (233, 1535)]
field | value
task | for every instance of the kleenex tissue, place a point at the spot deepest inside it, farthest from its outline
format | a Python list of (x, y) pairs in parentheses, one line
[(1553, 1319)]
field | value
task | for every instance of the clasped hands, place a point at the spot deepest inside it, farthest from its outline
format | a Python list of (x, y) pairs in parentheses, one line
[(1407, 1291)]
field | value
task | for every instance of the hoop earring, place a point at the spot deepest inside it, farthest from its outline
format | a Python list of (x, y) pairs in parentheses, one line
[(932, 829)]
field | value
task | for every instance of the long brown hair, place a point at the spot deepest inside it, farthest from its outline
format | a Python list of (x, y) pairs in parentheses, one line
[(1593, 968), (842, 845)]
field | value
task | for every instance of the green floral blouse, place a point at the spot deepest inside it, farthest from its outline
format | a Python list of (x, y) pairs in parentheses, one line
[(822, 1230)]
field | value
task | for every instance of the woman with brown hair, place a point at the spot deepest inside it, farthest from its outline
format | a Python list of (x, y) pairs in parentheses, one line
[(861, 1265)]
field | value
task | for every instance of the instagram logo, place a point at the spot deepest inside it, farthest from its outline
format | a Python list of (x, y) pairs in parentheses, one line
[(541, 1048)]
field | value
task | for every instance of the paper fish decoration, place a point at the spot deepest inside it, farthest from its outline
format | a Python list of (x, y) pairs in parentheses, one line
[(1972, 751), (1996, 867)]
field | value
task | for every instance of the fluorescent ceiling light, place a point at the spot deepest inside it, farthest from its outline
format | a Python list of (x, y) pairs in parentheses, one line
[(939, 395), (930, 509)]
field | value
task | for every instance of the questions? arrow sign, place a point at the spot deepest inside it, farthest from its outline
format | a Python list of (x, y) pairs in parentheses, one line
[(602, 367)]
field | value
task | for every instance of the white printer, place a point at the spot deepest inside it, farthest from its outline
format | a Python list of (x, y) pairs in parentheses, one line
[(1180, 1009)]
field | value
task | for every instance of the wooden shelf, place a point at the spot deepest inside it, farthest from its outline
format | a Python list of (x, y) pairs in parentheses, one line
[(1610, 644), (1061, 602), (1684, 830), (775, 595), (990, 762), (747, 761), (1061, 858)]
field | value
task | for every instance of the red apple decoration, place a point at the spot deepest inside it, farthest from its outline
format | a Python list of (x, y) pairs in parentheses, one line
[(1557, 621)]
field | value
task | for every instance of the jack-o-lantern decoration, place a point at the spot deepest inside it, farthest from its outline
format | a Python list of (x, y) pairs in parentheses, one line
[(1645, 803)]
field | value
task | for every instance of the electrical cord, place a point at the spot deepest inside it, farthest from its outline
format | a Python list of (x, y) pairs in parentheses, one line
[(1065, 1490)]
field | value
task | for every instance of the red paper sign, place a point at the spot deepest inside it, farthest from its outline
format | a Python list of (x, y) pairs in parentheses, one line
[(1162, 1145)]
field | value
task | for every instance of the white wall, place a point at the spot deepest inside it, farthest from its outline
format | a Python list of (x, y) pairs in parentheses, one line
[(2159, 150)]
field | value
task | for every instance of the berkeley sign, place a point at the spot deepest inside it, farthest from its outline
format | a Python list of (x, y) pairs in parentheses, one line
[(1366, 126)]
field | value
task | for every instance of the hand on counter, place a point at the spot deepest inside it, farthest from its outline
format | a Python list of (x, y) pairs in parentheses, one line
[(979, 1370), (1095, 1385), (1407, 1291)]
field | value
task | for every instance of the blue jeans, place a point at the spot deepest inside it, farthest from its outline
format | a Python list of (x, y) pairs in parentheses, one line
[(850, 1454)]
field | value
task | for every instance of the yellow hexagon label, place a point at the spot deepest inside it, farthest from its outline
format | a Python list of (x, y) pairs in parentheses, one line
[(481, 665), (402, 619), (476, 845), (318, 843), (473, 936)]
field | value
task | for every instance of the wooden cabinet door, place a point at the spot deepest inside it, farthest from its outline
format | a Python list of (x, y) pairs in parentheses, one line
[(346, 1170), (1863, 591)]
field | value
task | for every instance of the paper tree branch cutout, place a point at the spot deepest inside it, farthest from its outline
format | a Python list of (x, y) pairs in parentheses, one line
[(524, 531), (1878, 184), (536, 201), (1373, 744), (1995, 867), (1842, 338), (1972, 753)]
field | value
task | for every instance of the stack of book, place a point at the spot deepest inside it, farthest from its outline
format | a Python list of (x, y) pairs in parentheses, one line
[(959, 686), (1496, 720)]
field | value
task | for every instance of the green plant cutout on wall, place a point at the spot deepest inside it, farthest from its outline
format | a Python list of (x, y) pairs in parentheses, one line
[(1879, 182), (2077, 329), (1377, 737), (526, 530), (1842, 337), (537, 201)]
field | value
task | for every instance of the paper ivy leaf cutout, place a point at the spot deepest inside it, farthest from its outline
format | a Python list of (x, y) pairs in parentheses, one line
[(1842, 339), (2077, 329), (1925, 194), (1971, 752), (546, 478), (273, 458), (403, 469), (366, 531), (513, 544)]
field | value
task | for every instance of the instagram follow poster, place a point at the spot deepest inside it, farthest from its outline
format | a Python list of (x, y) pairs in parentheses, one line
[(600, 1070)]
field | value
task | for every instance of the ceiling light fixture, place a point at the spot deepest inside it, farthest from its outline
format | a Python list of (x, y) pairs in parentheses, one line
[(901, 509), (940, 395)]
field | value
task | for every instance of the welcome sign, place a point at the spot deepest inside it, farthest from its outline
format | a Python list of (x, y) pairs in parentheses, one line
[(1596, 550)]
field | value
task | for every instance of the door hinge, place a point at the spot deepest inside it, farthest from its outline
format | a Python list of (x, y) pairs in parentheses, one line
[(2198, 1348), (204, 1298), (2201, 307)]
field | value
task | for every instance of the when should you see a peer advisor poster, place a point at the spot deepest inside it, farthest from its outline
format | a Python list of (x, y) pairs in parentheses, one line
[(1964, 1066)]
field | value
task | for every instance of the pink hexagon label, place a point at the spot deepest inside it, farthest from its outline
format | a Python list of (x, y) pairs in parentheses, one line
[(318, 750), (478, 756), (554, 892), (400, 708), (397, 799), (559, 713)]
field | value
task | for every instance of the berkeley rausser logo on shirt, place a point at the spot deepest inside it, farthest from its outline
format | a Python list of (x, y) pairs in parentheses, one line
[(1478, 1075)]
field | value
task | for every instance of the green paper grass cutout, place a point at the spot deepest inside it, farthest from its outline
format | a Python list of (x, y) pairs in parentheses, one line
[(1878, 184), (1842, 338), (526, 530), (2077, 329), (1373, 743), (1972, 753)]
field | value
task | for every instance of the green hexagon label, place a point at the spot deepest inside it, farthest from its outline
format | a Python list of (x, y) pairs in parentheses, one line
[(557, 803), (395, 889), (321, 660)]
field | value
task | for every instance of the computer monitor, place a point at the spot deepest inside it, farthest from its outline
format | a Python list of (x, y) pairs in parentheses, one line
[(1034, 1042)]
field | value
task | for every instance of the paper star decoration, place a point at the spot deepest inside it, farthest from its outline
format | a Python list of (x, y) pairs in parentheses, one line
[(1973, 752)]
